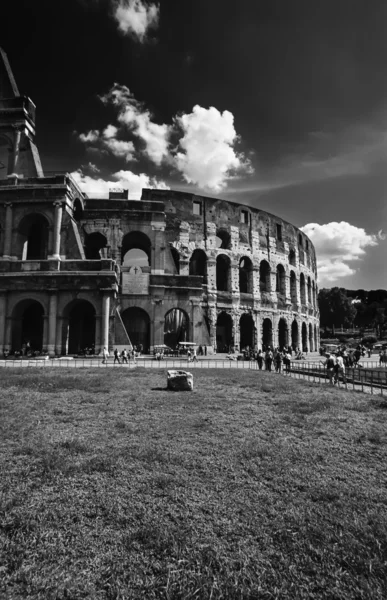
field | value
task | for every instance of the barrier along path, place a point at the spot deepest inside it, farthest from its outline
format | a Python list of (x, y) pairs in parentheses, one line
[(368, 379)]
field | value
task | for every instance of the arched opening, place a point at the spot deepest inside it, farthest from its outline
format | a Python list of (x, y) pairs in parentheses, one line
[(176, 327), (247, 332), (198, 264), (313, 295), (223, 273), (224, 337), (283, 335), (80, 327), (293, 287), (27, 326), (304, 333), (311, 341), (280, 280), (292, 257), (315, 338), (309, 291), (33, 230), (137, 324), (300, 240), (245, 275), (295, 336), (176, 259), (77, 210), (223, 239), (267, 333), (136, 250), (264, 276), (5, 150), (302, 289), (94, 243)]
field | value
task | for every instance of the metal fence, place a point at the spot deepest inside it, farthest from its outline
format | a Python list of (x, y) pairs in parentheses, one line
[(370, 379)]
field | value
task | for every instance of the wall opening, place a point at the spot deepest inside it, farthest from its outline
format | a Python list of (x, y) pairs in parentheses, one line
[(309, 291), (137, 324), (27, 326), (140, 245), (267, 333), (94, 243), (176, 327), (302, 289), (223, 273), (304, 338), (280, 280), (198, 264), (81, 328), (295, 335), (293, 287), (33, 230), (283, 334), (176, 259), (292, 257), (223, 239), (245, 275), (224, 337), (247, 332), (264, 276), (311, 341)]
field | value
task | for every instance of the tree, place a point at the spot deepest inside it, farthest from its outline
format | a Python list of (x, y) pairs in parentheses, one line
[(336, 308)]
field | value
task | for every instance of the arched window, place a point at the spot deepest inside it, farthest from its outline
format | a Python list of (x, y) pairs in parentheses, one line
[(245, 275), (293, 287), (224, 337), (309, 291), (198, 264), (300, 240), (292, 257), (94, 243), (267, 333), (295, 336), (77, 210), (136, 249), (302, 289), (223, 273), (33, 231), (176, 327), (264, 276), (304, 332), (283, 333), (223, 239), (280, 280)]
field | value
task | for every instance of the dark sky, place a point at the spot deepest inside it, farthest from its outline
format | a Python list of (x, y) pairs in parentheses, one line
[(305, 81)]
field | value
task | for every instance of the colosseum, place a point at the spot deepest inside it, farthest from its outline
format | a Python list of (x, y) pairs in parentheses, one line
[(81, 272)]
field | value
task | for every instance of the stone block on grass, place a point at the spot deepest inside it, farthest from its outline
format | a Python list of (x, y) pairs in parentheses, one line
[(180, 381)]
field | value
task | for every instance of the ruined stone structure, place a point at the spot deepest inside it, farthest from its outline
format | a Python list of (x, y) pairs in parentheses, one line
[(79, 272)]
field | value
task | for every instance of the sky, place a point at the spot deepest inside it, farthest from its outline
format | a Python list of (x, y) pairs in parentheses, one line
[(275, 104)]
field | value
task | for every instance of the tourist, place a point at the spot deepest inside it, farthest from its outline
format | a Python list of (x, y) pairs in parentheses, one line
[(189, 355), (268, 359), (124, 356), (339, 368), (278, 362), (116, 357), (287, 359), (260, 359), (194, 357), (330, 366), (105, 354)]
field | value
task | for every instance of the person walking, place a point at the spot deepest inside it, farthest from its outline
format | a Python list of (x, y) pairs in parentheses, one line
[(124, 356), (330, 366), (339, 369), (105, 355), (287, 359), (268, 359), (278, 362), (116, 357), (194, 356), (260, 359)]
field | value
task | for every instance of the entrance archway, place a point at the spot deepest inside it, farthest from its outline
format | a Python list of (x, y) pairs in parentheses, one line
[(136, 249), (267, 333), (33, 237), (27, 326), (224, 337), (198, 264), (304, 333), (295, 335), (311, 342), (176, 327), (245, 275), (247, 332), (283, 334), (80, 327), (223, 273), (137, 324), (94, 243)]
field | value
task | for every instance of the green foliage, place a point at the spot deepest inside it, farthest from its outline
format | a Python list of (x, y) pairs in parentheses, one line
[(369, 339), (336, 308)]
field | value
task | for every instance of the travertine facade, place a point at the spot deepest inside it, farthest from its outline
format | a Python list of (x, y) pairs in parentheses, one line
[(78, 272)]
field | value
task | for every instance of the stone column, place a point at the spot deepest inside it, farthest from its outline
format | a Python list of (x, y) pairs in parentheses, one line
[(236, 330), (105, 321), (52, 311), (8, 231), (58, 336), (97, 341), (45, 333), (8, 333), (195, 316), (3, 313), (211, 274), (56, 233)]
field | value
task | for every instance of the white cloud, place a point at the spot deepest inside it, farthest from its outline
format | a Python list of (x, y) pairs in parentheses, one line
[(89, 138), (207, 154), (107, 140), (135, 17), (338, 244), (123, 179), (138, 120)]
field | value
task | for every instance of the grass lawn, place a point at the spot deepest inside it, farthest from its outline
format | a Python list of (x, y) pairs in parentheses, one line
[(253, 486)]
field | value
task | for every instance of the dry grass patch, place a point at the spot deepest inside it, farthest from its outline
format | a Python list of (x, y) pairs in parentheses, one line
[(252, 486)]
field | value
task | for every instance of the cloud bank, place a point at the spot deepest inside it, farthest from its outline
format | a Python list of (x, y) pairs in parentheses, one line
[(98, 187), (201, 146), (337, 245), (136, 18)]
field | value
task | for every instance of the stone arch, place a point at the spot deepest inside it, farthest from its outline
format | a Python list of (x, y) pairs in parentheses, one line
[(309, 291), (28, 325), (280, 280), (300, 240), (137, 324), (264, 276), (94, 243), (139, 246), (302, 289), (293, 287), (198, 264), (77, 209), (33, 233), (295, 335), (247, 331), (176, 259), (223, 273), (304, 337), (245, 275), (267, 333), (224, 332), (79, 325), (292, 257), (176, 327), (311, 340), (283, 333), (223, 239)]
